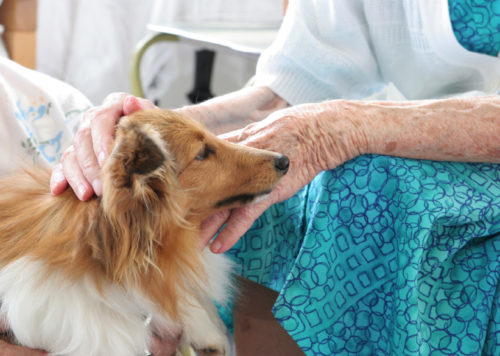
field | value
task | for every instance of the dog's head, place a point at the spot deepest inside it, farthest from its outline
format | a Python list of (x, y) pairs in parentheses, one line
[(166, 173), (163, 157)]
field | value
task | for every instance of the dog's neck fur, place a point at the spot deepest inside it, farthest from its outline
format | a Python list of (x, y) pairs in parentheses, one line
[(138, 259)]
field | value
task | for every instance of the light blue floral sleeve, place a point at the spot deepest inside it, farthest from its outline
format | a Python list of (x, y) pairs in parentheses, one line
[(38, 117)]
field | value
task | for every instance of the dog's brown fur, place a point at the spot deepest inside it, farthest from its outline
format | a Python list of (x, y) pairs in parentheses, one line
[(165, 175)]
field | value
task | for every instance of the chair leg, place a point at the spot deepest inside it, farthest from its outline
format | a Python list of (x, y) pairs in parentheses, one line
[(135, 67), (202, 76)]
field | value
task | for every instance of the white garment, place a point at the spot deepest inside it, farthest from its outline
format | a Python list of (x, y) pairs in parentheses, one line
[(355, 49), (218, 12), (89, 43), (38, 116)]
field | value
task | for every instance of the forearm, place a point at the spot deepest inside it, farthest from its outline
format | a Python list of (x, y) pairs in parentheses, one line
[(235, 110), (451, 129)]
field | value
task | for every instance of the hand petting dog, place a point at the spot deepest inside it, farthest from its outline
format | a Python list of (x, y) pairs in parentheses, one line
[(81, 163)]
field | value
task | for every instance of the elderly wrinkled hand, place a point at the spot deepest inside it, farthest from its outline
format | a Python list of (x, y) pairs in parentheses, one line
[(306, 135), (81, 163)]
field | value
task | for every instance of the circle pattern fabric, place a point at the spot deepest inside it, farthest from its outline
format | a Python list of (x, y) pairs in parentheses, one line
[(385, 256), (476, 24)]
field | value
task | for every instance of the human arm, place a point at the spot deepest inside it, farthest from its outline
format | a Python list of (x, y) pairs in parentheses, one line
[(319, 137), (159, 347), (7, 349), (456, 129), (164, 345), (236, 110)]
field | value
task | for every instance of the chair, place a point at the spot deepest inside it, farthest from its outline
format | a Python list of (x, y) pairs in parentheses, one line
[(246, 37)]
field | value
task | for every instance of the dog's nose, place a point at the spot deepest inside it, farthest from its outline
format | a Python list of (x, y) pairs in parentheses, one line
[(282, 163)]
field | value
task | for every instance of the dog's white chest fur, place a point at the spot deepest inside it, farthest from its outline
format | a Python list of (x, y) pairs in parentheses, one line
[(49, 312), (70, 318)]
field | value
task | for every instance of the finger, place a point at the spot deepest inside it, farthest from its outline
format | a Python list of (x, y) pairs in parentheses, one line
[(104, 122), (211, 225), (58, 182), (74, 175), (87, 159), (232, 136), (113, 98), (102, 128), (239, 222), (132, 104), (8, 349)]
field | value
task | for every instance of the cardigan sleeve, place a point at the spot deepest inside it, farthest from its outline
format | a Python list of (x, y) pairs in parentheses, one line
[(322, 51)]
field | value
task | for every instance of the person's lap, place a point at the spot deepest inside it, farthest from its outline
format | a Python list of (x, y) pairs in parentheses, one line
[(384, 254)]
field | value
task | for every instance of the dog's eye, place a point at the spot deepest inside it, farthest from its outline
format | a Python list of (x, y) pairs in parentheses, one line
[(204, 153)]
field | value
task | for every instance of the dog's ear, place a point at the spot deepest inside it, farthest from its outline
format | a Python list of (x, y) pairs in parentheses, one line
[(139, 155), (141, 197)]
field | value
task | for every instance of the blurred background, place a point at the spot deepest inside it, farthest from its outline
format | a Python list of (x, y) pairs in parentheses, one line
[(90, 44)]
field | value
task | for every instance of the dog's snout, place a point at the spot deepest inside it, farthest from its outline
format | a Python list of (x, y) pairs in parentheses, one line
[(282, 163)]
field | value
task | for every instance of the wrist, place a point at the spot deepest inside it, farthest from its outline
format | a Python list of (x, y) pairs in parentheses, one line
[(236, 110), (343, 132), (195, 112)]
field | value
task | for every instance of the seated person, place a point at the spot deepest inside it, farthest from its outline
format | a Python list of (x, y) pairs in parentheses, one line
[(383, 237)]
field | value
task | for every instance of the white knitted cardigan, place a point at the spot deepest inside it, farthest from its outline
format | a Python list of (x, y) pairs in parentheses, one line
[(383, 49)]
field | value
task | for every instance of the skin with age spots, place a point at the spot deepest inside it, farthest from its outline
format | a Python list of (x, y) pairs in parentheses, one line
[(453, 129), (391, 147)]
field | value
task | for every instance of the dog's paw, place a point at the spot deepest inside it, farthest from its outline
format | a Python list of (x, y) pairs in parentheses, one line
[(210, 341), (203, 329), (214, 350), (214, 343)]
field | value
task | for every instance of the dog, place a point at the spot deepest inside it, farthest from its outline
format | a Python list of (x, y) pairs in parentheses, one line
[(82, 278)]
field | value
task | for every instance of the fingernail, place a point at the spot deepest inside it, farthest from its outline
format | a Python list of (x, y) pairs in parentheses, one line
[(57, 176), (101, 157), (97, 186), (215, 246), (81, 191)]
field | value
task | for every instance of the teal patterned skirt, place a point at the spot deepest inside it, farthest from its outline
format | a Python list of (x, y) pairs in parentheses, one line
[(385, 256)]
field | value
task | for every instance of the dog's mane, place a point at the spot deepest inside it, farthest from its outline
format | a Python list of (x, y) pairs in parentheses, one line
[(134, 244)]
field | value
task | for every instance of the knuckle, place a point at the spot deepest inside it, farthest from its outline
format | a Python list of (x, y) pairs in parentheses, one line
[(114, 97), (90, 114), (88, 166), (68, 154), (91, 111), (105, 116), (96, 114), (244, 216), (81, 135), (221, 215)]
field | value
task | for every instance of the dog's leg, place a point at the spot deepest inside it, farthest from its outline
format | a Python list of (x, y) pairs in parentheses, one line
[(204, 329)]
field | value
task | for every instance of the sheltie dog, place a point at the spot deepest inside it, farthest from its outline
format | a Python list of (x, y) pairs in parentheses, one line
[(82, 278)]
